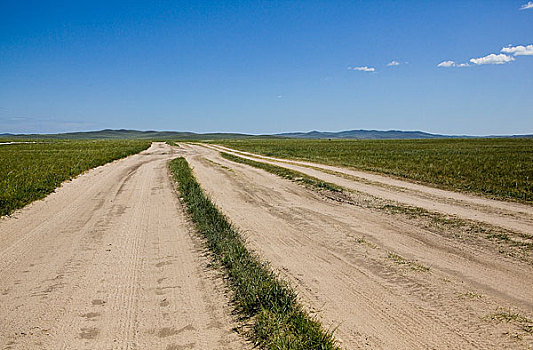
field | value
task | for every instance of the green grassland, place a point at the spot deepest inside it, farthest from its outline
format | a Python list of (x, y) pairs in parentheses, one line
[(30, 171), (500, 168)]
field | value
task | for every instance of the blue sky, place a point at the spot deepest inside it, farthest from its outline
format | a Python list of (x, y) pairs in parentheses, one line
[(267, 66)]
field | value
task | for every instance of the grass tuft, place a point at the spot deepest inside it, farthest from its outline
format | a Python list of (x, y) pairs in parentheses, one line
[(413, 265), (279, 321), (513, 317), (471, 295)]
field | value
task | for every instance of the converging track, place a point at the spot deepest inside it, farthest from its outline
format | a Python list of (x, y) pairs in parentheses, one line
[(366, 270), (509, 215), (110, 261)]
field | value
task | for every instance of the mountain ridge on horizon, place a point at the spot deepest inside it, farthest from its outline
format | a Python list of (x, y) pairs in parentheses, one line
[(356, 134), (366, 134)]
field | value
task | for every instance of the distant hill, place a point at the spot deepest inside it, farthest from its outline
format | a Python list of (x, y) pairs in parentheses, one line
[(134, 134), (184, 135), (365, 134), (378, 135)]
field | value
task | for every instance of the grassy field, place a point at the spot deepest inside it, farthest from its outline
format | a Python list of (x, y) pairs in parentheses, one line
[(500, 168), (279, 322), (30, 171)]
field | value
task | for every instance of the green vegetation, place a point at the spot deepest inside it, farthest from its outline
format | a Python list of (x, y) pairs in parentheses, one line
[(30, 171), (413, 265), (279, 322), (471, 295), (508, 316), (501, 168), (285, 173)]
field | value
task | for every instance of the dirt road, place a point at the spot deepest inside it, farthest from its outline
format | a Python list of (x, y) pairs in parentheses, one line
[(109, 261), (386, 282), (509, 215)]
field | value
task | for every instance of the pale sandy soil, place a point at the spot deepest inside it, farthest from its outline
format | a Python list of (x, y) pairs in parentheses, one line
[(344, 260), (109, 261)]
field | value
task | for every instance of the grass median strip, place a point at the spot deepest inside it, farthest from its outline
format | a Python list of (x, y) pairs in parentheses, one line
[(278, 320), (285, 173)]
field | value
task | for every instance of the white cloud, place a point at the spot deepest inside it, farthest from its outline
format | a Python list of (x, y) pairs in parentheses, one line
[(507, 56), (363, 69), (393, 63), (519, 50), (446, 64), (492, 59), (527, 6)]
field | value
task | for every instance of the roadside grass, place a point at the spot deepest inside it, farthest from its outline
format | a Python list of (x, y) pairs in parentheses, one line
[(501, 168), (285, 173), (279, 321), (31, 171)]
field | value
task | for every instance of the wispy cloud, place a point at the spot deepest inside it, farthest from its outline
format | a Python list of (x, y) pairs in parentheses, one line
[(446, 64), (393, 63), (492, 59), (363, 69), (519, 50), (527, 6)]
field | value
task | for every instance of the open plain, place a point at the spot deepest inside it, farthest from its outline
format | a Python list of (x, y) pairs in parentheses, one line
[(110, 260)]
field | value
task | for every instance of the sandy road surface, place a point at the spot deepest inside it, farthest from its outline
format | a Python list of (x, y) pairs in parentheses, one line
[(109, 262), (509, 215), (344, 260)]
